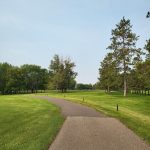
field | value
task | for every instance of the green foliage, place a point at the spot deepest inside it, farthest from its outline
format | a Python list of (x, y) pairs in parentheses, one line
[(143, 74), (138, 79), (108, 73), (124, 55), (4, 76), (27, 123), (81, 86), (124, 49), (147, 48), (34, 77), (72, 84), (15, 82), (96, 86), (62, 76), (18, 79)]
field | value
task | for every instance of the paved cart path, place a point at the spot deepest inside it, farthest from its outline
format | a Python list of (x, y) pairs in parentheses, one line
[(73, 109), (87, 129)]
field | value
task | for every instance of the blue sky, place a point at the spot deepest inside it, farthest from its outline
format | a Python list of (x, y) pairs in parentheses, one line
[(32, 31)]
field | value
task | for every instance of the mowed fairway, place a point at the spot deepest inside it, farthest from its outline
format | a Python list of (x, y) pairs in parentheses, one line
[(134, 110), (27, 123)]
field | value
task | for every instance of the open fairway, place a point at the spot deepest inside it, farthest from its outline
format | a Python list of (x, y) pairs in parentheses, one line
[(134, 110), (27, 123)]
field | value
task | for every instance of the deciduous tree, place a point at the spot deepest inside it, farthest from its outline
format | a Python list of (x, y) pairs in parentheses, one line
[(61, 72), (108, 73), (147, 48)]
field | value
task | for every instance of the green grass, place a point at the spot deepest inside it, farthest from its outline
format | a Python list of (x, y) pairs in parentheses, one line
[(27, 123), (134, 110)]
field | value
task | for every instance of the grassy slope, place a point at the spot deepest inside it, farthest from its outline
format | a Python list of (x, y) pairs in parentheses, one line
[(27, 123), (134, 110)]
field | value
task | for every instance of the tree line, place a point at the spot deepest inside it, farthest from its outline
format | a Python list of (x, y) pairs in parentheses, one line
[(124, 66), (31, 78), (24, 79)]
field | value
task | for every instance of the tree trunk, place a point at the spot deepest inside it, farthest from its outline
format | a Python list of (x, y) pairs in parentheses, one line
[(108, 89), (65, 90), (125, 86), (125, 80)]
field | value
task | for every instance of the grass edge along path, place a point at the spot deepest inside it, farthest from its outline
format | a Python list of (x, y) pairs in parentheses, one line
[(136, 117), (28, 123)]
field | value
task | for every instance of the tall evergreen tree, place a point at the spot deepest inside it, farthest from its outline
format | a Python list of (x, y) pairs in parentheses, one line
[(123, 46)]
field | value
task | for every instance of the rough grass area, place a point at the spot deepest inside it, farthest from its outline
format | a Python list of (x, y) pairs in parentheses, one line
[(27, 123), (134, 110)]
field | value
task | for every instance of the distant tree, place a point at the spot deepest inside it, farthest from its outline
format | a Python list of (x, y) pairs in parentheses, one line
[(34, 77), (132, 80), (18, 79), (147, 48), (72, 84), (108, 73), (4, 76), (123, 46), (69, 73), (61, 73), (81, 86), (15, 80), (97, 85), (43, 79), (54, 69), (143, 74)]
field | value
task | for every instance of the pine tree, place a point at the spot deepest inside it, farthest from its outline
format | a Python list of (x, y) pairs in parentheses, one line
[(123, 46)]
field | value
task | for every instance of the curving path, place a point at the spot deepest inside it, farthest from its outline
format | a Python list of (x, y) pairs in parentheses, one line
[(73, 109), (87, 129)]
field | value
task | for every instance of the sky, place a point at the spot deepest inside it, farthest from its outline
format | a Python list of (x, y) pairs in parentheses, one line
[(33, 31)]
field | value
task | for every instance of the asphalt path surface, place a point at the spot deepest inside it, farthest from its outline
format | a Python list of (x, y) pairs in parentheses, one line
[(73, 109), (87, 129)]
